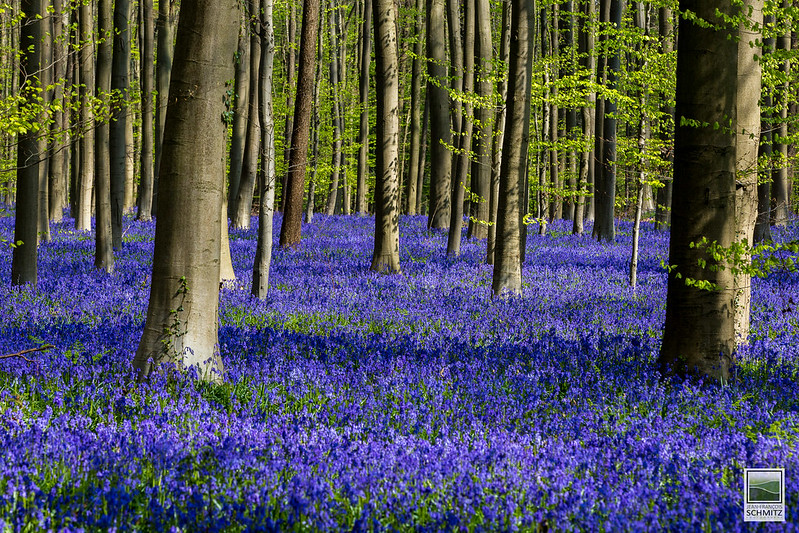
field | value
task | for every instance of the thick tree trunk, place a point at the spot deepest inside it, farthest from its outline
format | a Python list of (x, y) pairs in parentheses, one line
[(263, 253), (86, 176), (386, 250), (120, 83), (440, 132), (182, 316), (104, 253), (507, 263), (241, 114), (699, 336), (291, 228), (363, 90), (24, 255), (147, 141)]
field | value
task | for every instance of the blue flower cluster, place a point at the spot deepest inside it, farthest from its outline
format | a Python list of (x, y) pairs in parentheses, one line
[(357, 401)]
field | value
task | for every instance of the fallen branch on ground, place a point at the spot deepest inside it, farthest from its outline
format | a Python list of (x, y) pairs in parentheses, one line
[(21, 354)]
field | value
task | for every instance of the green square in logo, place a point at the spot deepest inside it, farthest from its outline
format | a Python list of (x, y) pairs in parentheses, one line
[(764, 485)]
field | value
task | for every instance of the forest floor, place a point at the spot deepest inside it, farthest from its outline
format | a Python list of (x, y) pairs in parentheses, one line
[(357, 401)]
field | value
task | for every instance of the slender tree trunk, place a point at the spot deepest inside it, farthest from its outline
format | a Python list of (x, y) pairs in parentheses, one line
[(699, 334), (104, 254), (440, 132), (763, 222), (317, 122), (586, 44), (87, 143), (386, 250), (182, 316), (423, 156), (412, 191), (167, 20), (291, 228), (481, 166), (334, 200), (507, 263), (291, 69), (241, 114), (46, 79), (57, 177), (466, 118), (663, 204), (249, 169), (24, 256), (263, 253), (120, 83), (363, 89), (639, 190), (556, 201), (496, 158), (147, 141), (781, 185)]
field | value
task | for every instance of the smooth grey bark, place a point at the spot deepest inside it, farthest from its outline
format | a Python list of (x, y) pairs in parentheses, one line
[(182, 315), (316, 124), (291, 69), (146, 163), (762, 231), (499, 136), (423, 157), (363, 90), (440, 132), (57, 174), (415, 150), (165, 25), (249, 169), (118, 142), (45, 75), (241, 114), (103, 253), (507, 277), (86, 93), (484, 122), (386, 249), (456, 76), (699, 335), (263, 252), (664, 194), (586, 43), (334, 199), (556, 200), (24, 254), (605, 190), (781, 184), (291, 227), (462, 159)]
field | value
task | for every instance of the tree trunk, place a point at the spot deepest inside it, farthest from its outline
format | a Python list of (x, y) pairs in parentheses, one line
[(664, 194), (605, 224), (781, 185), (147, 141), (334, 199), (386, 250), (699, 334), (412, 191), (57, 177), (120, 83), (763, 222), (481, 166), (507, 264), (46, 79), (586, 44), (24, 255), (249, 168), (291, 68), (167, 19), (263, 253), (465, 116), (182, 316), (317, 122), (496, 157), (363, 89), (291, 228), (440, 132), (241, 114), (86, 176), (556, 200), (748, 130), (103, 254)]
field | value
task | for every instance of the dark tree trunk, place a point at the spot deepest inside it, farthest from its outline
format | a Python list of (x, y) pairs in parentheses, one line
[(291, 69), (104, 253), (167, 20), (663, 204), (291, 228), (120, 83), (241, 114), (440, 132), (413, 190), (481, 166)]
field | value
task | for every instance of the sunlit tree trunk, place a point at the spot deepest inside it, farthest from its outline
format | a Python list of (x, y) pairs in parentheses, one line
[(120, 83), (484, 120), (586, 44), (182, 316), (147, 52), (781, 185), (664, 194), (103, 254), (86, 68), (291, 228), (334, 199), (440, 132), (317, 122), (507, 262), (241, 114), (57, 176), (412, 188), (46, 79), (291, 70), (363, 90)]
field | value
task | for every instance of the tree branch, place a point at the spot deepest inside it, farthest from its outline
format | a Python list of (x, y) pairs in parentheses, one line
[(21, 354)]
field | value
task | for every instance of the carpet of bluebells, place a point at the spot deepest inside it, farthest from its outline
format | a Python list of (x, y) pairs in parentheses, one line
[(358, 401)]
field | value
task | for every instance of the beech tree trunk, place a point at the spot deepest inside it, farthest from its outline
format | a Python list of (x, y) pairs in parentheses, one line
[(412, 188), (481, 166), (699, 336), (386, 250), (120, 83), (45, 75), (440, 132), (507, 276), (182, 316), (24, 256), (57, 177), (363, 89), (86, 91), (586, 44), (781, 185), (146, 184), (664, 194), (291, 228), (241, 114), (104, 254)]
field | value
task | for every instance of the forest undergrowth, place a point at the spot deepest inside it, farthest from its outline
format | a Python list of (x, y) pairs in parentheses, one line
[(358, 401)]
